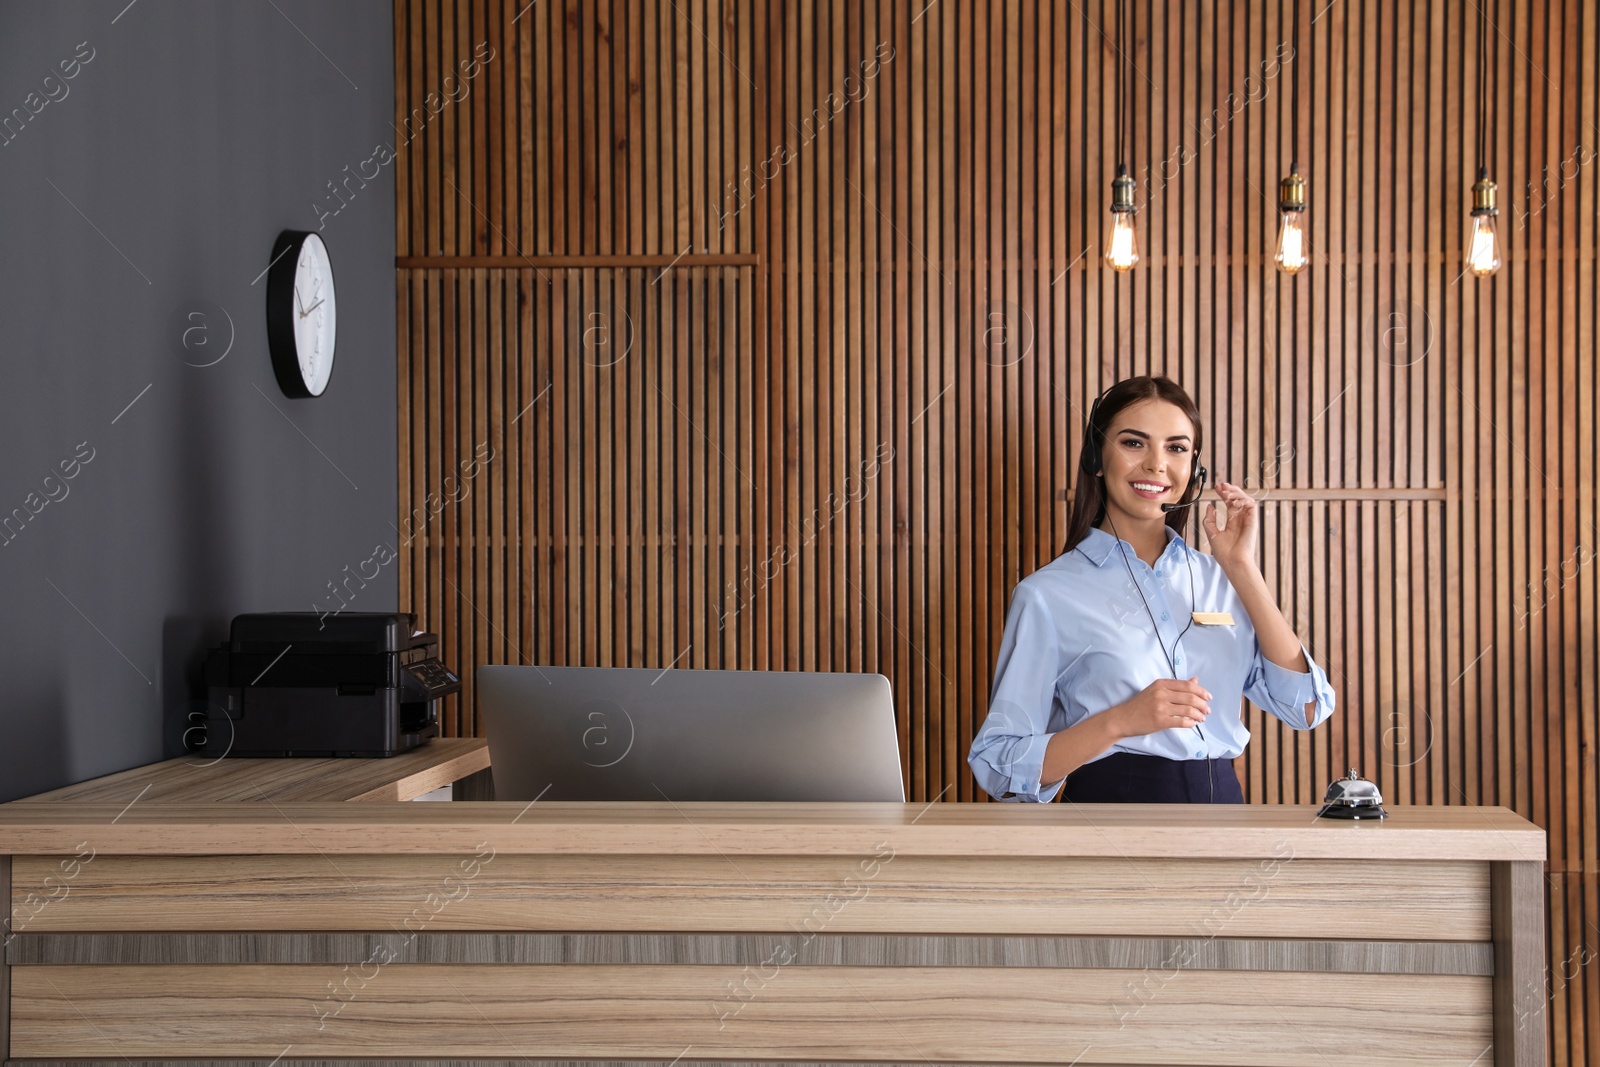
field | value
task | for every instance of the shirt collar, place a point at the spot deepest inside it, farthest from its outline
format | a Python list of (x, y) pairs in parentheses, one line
[(1098, 546)]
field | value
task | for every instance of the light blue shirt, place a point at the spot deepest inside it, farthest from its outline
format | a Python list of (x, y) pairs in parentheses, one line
[(1078, 641)]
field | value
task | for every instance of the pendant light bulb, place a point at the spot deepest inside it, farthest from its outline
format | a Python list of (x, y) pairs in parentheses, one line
[(1293, 252), (1122, 249), (1483, 251), (1122, 245)]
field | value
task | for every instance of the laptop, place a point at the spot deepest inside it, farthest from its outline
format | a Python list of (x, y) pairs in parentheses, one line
[(622, 733)]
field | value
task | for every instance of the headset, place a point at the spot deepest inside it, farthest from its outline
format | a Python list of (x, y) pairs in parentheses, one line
[(1191, 493)]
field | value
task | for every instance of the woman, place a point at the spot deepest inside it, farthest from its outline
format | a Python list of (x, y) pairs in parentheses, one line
[(1124, 659)]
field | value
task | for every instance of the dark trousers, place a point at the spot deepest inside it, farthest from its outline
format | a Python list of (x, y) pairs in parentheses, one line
[(1130, 778)]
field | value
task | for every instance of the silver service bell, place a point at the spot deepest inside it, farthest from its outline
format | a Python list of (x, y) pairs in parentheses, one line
[(1353, 798)]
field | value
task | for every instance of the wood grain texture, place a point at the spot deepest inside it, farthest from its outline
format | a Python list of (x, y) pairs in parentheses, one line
[(749, 950), (678, 1061), (925, 225), (704, 828), (1517, 907), (968, 1015), (1296, 898), (195, 779)]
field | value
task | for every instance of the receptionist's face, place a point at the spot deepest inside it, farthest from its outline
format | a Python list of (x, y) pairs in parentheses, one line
[(1149, 452)]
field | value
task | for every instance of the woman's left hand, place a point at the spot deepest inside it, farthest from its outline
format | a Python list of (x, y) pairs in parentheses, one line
[(1235, 542)]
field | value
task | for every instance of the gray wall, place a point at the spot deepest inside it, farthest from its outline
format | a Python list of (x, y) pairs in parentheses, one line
[(148, 186)]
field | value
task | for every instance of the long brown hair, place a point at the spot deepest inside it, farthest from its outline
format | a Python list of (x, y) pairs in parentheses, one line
[(1089, 496)]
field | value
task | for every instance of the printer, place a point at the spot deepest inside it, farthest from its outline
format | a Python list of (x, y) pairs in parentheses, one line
[(305, 683)]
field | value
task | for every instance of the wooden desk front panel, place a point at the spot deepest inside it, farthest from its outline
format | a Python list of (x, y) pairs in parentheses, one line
[(902, 1014), (1378, 900)]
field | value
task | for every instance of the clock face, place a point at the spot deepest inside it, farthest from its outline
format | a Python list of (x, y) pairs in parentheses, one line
[(315, 314), (302, 317)]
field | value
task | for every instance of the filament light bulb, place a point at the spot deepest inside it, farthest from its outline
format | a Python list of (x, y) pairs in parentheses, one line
[(1293, 251), (1483, 251), (1122, 243), (1122, 247)]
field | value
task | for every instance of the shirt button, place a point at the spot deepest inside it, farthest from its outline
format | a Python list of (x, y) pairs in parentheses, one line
[(1158, 572), (1164, 616)]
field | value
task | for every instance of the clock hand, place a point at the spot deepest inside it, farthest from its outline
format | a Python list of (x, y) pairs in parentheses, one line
[(297, 303), (312, 308)]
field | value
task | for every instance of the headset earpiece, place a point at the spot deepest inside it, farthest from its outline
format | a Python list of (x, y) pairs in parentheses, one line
[(1091, 437)]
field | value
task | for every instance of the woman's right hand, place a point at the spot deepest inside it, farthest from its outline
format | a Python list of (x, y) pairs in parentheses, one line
[(1165, 704)]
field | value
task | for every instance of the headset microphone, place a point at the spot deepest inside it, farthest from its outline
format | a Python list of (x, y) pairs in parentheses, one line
[(1200, 477)]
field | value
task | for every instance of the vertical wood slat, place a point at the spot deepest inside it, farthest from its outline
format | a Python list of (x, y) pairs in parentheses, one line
[(677, 504)]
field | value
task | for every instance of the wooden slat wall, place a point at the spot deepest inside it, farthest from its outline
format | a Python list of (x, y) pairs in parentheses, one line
[(837, 431)]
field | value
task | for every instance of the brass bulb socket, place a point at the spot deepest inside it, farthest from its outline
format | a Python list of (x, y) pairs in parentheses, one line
[(1122, 192), (1483, 193), (1292, 192)]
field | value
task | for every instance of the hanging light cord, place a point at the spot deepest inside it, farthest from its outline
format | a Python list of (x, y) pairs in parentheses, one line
[(1122, 121), (1294, 114), (1483, 96), (1127, 86)]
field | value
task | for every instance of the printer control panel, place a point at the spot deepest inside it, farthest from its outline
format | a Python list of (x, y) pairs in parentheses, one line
[(434, 676), (423, 669)]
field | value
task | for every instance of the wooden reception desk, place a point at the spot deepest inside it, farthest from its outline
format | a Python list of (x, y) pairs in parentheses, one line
[(679, 933)]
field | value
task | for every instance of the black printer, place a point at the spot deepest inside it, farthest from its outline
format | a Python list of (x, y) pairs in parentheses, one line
[(304, 683)]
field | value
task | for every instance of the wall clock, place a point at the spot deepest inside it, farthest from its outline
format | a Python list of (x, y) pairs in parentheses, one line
[(302, 316)]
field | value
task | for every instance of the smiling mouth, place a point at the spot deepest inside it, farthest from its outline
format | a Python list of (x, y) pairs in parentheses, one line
[(1149, 490)]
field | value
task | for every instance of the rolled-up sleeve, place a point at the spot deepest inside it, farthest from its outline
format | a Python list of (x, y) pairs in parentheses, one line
[(1284, 693), (1007, 755)]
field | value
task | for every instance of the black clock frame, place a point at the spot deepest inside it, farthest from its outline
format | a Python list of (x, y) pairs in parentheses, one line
[(281, 310)]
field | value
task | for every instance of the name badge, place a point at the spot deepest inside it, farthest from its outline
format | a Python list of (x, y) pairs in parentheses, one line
[(1213, 618)]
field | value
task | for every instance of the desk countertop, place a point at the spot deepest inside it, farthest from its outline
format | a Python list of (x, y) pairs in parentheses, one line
[(55, 826), (198, 779)]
